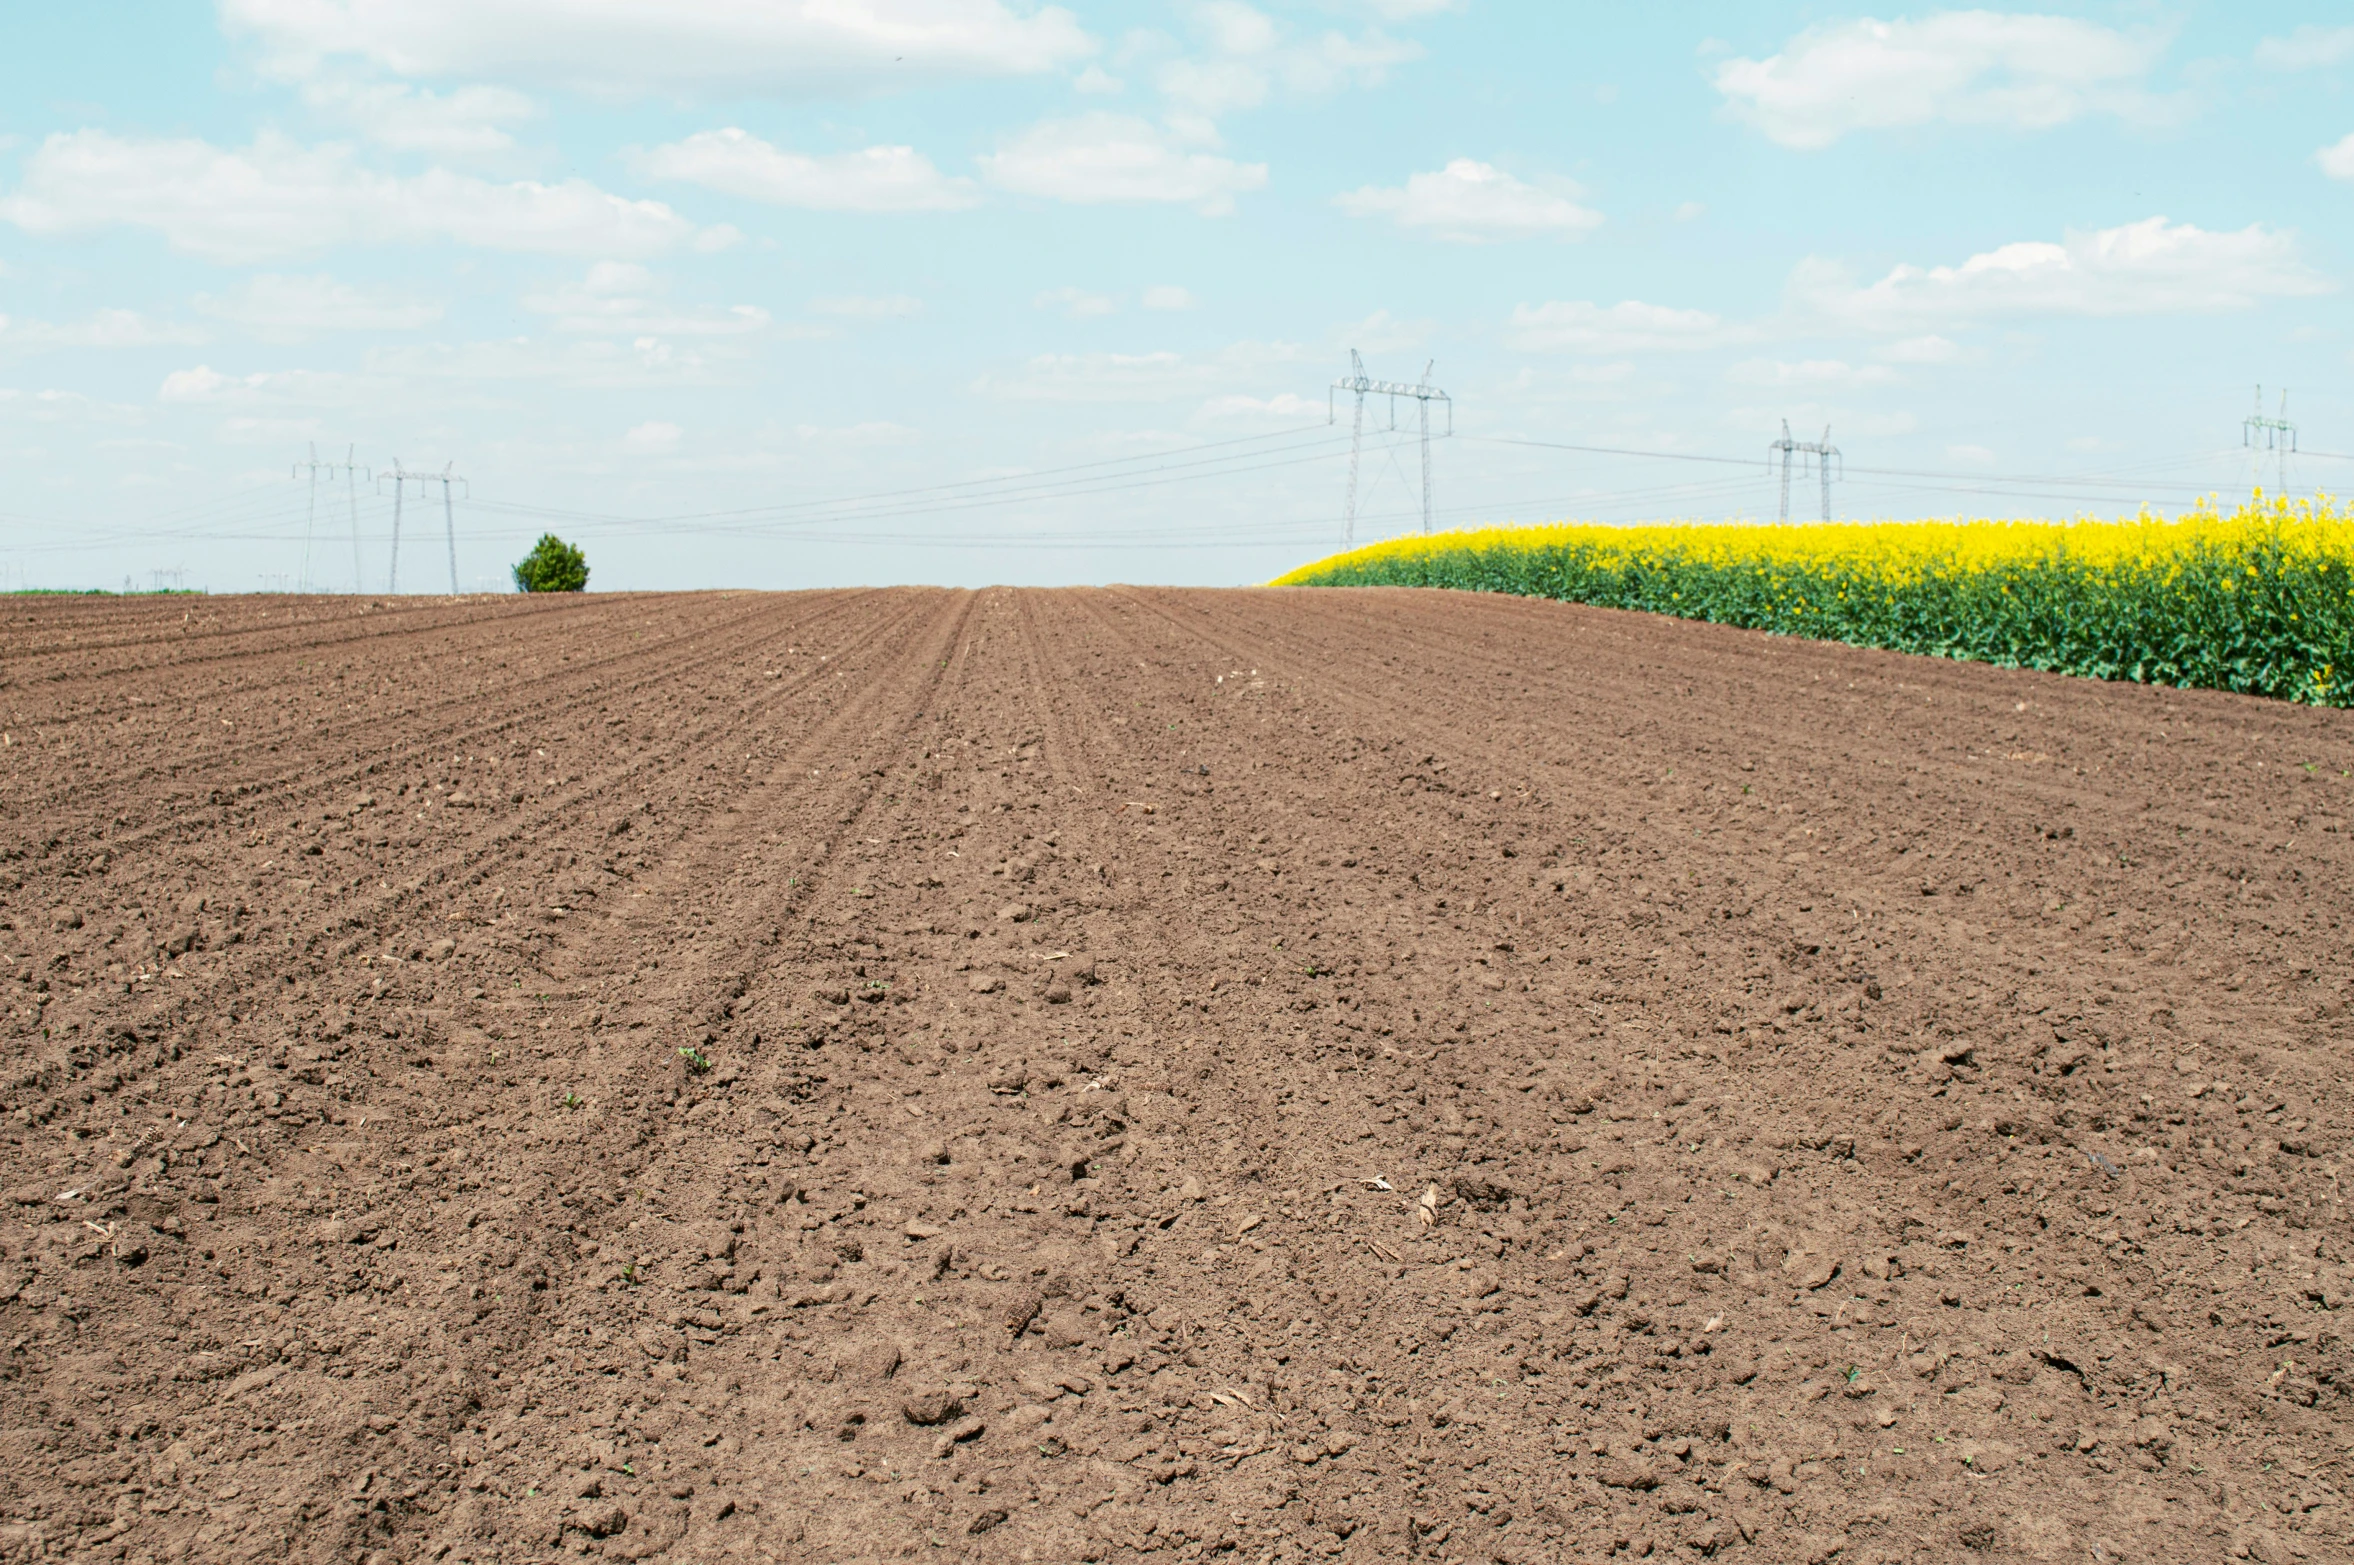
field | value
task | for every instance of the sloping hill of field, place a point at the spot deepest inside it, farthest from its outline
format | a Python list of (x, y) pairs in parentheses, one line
[(1084, 1075)]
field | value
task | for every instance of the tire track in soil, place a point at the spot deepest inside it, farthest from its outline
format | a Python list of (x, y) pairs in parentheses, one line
[(2152, 1302), (454, 858), (65, 695), (430, 620), (1317, 1334), (2157, 851), (2170, 859), (648, 1232), (1800, 1084), (980, 1265), (469, 1050), (466, 731), (1984, 693), (379, 915), (675, 1220), (1593, 1056), (1244, 1390), (307, 785)]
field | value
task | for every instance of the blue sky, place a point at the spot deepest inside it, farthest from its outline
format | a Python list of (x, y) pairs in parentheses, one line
[(819, 291)]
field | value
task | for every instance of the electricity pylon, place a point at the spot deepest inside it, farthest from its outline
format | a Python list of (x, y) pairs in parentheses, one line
[(401, 478), (310, 523), (351, 490), (351, 483), (1423, 392), (2277, 435), (1821, 450)]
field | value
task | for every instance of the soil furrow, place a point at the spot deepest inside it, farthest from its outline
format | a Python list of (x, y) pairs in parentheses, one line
[(1089, 1075), (287, 902), (219, 767)]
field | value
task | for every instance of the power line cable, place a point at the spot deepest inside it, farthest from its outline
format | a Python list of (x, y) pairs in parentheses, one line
[(1108, 484), (1029, 477), (2089, 477)]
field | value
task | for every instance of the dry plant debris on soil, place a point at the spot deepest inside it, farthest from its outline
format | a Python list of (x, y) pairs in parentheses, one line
[(1093, 1075)]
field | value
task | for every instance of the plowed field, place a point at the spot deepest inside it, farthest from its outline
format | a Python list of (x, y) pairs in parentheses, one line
[(1085, 1075)]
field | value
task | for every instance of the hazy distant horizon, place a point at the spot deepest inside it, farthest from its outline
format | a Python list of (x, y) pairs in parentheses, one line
[(975, 291)]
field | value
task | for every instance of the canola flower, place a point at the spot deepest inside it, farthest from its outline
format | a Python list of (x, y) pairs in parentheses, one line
[(2258, 600)]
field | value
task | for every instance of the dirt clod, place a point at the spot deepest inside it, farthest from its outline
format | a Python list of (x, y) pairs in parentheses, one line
[(1480, 1194), (1022, 1309), (1526, 1109), (932, 1407)]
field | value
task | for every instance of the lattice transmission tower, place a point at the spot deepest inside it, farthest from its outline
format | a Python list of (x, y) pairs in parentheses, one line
[(351, 483), (2276, 435), (401, 479), (1363, 385), (1824, 454)]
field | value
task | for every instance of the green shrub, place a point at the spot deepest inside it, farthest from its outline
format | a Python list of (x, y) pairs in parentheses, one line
[(552, 566)]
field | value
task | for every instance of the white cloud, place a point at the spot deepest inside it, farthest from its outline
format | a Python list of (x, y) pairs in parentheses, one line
[(1206, 89), (1966, 67), (1808, 419), (205, 385), (1075, 303), (2152, 267), (1090, 377), (1137, 377), (100, 329), (1279, 411), (1974, 456), (1471, 202), (1096, 80), (246, 430), (869, 307), (1687, 211), (1248, 56), (200, 384), (874, 432), (652, 438), (1629, 326), (1383, 332), (877, 179), (1115, 157), (596, 362), (1167, 296), (281, 308), (1931, 349), (1809, 372), (1235, 28), (464, 123), (2307, 48), (440, 372), (52, 406), (677, 48), (277, 198), (2337, 159), (620, 298)]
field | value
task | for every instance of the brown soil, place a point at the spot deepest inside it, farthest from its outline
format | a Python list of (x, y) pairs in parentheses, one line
[(1080, 1075)]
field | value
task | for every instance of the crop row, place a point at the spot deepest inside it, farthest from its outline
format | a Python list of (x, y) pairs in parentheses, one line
[(2258, 600)]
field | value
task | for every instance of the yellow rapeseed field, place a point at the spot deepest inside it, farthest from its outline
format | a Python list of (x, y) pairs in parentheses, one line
[(2257, 599)]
